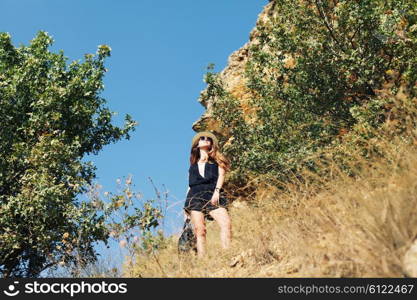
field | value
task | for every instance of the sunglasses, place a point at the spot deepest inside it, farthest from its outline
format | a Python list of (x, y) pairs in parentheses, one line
[(202, 138)]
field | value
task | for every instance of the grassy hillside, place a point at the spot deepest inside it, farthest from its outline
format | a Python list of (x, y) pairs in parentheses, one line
[(336, 226), (318, 114)]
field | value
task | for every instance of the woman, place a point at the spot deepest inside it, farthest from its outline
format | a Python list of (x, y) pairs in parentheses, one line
[(204, 195)]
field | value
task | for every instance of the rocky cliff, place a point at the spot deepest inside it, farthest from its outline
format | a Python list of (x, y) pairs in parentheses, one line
[(234, 79)]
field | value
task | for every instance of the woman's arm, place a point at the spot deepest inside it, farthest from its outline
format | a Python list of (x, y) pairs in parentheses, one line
[(220, 180), (216, 195)]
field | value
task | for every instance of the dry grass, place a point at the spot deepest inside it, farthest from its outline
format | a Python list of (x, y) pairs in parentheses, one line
[(337, 227), (324, 224)]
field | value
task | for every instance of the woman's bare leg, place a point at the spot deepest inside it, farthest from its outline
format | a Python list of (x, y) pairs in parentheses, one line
[(197, 219), (223, 219)]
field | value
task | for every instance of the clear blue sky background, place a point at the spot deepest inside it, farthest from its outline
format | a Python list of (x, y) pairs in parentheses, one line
[(160, 51)]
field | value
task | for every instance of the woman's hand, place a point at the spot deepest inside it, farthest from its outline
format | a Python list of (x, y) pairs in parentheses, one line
[(215, 198)]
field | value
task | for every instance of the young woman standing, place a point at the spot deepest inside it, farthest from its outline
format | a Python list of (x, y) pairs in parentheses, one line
[(204, 196)]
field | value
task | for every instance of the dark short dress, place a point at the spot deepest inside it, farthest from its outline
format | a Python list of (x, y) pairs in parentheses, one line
[(202, 188)]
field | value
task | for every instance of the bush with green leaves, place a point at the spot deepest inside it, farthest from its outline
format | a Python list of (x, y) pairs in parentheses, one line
[(52, 116), (135, 223), (316, 71)]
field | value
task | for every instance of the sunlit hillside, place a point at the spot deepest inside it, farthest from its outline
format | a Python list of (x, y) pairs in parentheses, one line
[(350, 227), (319, 118)]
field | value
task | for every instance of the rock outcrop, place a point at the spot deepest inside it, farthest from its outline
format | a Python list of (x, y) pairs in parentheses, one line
[(410, 260), (234, 80)]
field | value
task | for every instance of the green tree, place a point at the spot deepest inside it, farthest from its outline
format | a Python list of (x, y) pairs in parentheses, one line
[(315, 72), (52, 116)]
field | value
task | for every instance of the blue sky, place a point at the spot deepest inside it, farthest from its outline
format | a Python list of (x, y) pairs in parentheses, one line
[(160, 51)]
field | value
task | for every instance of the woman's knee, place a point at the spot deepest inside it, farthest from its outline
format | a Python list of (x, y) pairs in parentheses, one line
[(197, 219), (223, 219), (226, 224), (200, 230)]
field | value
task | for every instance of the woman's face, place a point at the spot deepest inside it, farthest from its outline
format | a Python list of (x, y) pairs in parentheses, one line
[(204, 142)]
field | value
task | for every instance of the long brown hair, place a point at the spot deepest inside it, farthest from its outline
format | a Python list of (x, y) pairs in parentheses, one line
[(214, 155)]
